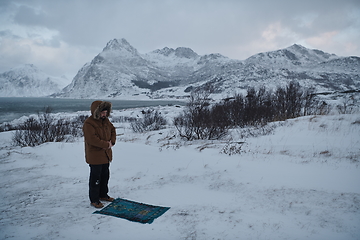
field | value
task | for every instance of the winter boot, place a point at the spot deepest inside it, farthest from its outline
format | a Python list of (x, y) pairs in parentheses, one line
[(97, 205)]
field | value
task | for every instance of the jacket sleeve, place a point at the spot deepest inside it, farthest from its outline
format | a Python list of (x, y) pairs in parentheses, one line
[(113, 135), (92, 138)]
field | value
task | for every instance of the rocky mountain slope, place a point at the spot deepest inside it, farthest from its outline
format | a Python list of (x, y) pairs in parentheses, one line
[(29, 81), (120, 71)]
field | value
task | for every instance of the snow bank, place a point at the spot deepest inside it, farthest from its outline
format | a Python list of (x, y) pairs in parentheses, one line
[(301, 181)]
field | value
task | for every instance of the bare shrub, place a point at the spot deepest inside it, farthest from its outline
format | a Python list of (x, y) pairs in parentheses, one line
[(348, 105), (7, 127), (288, 101), (121, 119), (152, 121), (45, 128), (200, 120), (260, 106), (232, 148), (322, 108), (255, 131)]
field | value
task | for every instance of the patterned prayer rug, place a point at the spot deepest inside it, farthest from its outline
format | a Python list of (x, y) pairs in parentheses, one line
[(133, 211)]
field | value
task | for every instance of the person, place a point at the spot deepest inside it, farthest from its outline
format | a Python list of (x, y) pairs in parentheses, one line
[(99, 138)]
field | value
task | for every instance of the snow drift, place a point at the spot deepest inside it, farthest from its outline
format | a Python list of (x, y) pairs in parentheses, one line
[(300, 181)]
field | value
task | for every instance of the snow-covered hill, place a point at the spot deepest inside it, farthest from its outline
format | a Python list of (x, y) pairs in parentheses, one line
[(301, 181), (29, 81), (120, 71)]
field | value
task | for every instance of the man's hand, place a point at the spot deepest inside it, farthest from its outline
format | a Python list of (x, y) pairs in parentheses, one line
[(110, 145)]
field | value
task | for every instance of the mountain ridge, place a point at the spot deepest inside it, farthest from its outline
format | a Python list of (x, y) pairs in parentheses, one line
[(121, 72), (168, 72), (29, 81)]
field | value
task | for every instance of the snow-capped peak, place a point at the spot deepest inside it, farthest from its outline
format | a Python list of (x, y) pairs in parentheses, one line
[(120, 45), (294, 55), (165, 51), (185, 53), (180, 52), (24, 69), (29, 81), (311, 54)]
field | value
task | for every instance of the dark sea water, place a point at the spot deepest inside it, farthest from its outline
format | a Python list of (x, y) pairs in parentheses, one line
[(13, 108)]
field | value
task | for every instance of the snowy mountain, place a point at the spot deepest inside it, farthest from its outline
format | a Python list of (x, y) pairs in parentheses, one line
[(28, 81), (120, 71), (322, 70)]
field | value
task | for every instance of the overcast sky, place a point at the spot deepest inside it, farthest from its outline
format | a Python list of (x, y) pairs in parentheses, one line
[(60, 36)]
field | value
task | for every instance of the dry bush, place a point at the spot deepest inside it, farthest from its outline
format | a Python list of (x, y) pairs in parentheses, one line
[(45, 128), (152, 121)]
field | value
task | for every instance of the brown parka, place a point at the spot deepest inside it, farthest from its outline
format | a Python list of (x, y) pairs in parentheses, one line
[(97, 134)]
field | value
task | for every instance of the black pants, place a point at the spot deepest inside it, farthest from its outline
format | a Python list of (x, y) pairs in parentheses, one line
[(98, 182)]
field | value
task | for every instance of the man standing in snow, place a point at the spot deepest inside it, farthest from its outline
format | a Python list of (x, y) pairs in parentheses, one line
[(100, 137)]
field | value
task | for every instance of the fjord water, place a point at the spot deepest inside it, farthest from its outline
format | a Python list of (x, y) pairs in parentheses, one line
[(15, 107)]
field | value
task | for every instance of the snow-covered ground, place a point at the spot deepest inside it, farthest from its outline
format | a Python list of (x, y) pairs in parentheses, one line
[(300, 181)]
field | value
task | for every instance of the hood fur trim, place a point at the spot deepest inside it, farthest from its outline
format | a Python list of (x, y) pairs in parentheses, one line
[(98, 106)]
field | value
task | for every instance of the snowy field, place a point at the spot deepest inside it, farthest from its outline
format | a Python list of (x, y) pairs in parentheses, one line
[(300, 181)]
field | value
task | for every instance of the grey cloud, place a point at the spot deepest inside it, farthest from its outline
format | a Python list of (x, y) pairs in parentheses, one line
[(94, 22), (29, 16), (231, 27), (5, 33), (9, 34)]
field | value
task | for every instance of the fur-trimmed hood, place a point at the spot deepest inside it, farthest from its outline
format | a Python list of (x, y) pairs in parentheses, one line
[(98, 106)]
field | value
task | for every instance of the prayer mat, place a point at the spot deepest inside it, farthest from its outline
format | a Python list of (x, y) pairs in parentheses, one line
[(133, 211)]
